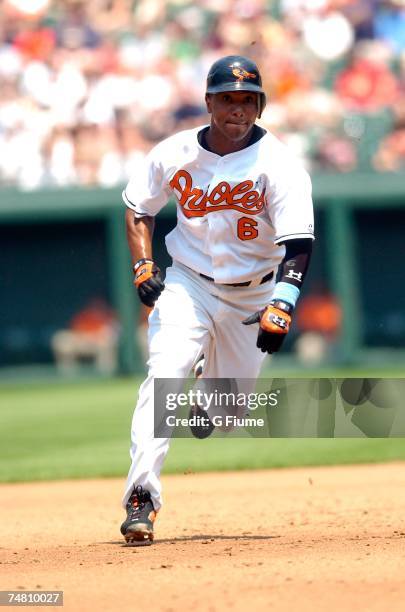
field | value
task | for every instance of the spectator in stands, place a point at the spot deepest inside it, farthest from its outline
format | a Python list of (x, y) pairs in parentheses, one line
[(389, 24), (390, 156), (367, 85), (360, 13), (336, 154), (74, 29)]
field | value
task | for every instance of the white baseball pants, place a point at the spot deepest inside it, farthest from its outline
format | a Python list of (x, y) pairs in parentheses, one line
[(192, 316)]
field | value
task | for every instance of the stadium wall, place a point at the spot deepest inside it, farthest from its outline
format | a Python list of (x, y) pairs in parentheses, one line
[(60, 248)]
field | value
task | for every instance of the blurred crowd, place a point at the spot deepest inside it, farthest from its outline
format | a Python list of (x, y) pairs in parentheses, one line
[(87, 88)]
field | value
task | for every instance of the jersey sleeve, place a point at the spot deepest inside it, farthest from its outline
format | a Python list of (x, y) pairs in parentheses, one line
[(147, 190), (291, 208)]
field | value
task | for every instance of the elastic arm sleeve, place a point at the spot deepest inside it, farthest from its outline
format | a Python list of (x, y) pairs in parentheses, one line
[(294, 265), (292, 270)]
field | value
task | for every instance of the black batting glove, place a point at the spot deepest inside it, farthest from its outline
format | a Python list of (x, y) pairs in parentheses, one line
[(148, 281), (275, 322)]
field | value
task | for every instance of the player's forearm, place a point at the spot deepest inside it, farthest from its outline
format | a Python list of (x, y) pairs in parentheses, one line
[(292, 270), (139, 236)]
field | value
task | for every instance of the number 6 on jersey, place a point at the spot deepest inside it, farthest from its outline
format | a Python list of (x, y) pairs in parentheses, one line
[(247, 229)]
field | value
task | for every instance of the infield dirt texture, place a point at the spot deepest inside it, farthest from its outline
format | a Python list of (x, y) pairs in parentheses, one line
[(313, 538)]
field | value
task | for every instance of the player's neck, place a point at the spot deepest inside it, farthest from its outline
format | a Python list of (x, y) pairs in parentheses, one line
[(217, 142)]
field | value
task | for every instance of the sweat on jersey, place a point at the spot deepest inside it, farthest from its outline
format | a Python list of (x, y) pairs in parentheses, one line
[(233, 211)]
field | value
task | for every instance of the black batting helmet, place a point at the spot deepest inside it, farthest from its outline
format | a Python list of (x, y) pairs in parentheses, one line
[(236, 73)]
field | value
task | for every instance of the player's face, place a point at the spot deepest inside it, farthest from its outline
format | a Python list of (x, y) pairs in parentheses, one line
[(233, 113)]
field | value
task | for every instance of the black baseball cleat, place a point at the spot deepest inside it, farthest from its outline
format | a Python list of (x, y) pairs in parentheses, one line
[(138, 527), (200, 424), (199, 366)]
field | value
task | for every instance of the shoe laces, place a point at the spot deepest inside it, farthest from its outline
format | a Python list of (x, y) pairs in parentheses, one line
[(137, 501)]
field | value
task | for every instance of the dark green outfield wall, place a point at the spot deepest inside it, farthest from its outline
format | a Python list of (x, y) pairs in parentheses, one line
[(58, 249)]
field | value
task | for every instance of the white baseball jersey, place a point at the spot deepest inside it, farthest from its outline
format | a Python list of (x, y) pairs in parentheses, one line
[(232, 211)]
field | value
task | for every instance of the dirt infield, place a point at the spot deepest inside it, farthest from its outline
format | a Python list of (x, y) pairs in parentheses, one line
[(307, 539)]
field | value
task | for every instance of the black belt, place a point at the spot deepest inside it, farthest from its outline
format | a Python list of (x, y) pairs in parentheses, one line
[(266, 278)]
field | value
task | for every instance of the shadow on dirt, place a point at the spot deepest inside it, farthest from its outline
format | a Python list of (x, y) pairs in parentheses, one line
[(204, 539)]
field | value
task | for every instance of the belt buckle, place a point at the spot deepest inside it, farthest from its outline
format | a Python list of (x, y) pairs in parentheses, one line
[(255, 282), (259, 281)]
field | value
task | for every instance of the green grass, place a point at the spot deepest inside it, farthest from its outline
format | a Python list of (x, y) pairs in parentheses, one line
[(82, 429)]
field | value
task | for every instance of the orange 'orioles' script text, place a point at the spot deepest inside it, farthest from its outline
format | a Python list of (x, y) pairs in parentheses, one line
[(195, 202)]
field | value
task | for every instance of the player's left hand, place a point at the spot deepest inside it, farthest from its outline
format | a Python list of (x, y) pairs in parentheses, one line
[(148, 281), (275, 322)]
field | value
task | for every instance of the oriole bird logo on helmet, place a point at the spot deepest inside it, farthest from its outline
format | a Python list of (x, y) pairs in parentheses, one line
[(242, 74)]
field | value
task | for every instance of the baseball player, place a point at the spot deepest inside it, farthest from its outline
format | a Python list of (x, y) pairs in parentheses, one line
[(240, 251)]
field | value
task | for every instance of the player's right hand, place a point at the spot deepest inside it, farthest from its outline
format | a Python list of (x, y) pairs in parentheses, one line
[(148, 281)]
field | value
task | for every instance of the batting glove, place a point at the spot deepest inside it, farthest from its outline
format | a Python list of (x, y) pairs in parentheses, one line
[(275, 322), (148, 281)]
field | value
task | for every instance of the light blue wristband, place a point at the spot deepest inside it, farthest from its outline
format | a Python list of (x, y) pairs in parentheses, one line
[(286, 292)]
